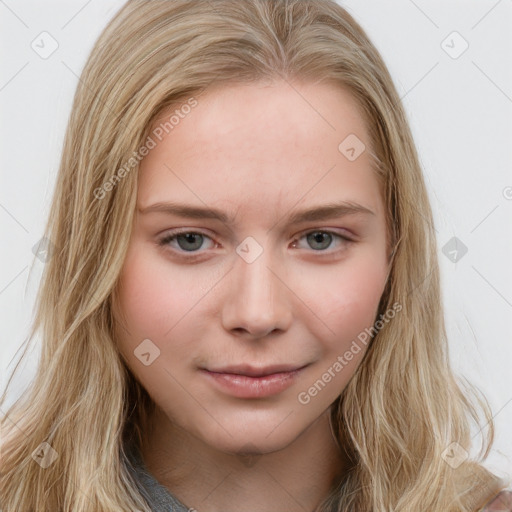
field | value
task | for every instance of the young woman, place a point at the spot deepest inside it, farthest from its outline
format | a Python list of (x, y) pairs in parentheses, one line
[(241, 311)]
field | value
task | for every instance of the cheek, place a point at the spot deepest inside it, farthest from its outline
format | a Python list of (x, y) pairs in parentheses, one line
[(151, 303), (348, 301), (348, 307), (152, 299)]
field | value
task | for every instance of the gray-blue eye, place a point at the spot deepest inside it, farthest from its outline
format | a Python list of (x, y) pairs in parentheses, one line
[(192, 241), (319, 240), (188, 241), (322, 238)]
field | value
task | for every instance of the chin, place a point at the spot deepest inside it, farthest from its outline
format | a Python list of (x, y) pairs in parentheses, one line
[(250, 440)]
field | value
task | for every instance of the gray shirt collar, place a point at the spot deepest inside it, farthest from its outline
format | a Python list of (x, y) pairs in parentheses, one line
[(158, 497)]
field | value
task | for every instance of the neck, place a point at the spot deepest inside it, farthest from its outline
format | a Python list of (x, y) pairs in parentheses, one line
[(296, 478)]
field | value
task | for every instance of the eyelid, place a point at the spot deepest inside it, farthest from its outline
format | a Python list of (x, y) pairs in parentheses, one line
[(345, 240), (191, 255), (343, 233), (173, 233), (181, 231)]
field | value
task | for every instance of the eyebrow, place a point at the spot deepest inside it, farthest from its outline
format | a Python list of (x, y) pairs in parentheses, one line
[(315, 213)]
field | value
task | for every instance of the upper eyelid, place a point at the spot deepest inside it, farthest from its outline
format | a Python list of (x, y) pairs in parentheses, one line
[(301, 234)]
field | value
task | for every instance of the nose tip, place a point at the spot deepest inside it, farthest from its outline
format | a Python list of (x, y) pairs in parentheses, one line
[(256, 302)]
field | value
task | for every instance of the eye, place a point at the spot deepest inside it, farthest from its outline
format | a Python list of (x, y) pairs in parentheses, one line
[(183, 242), (319, 240), (188, 241)]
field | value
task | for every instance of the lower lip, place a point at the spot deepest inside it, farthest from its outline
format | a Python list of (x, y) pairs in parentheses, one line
[(243, 386)]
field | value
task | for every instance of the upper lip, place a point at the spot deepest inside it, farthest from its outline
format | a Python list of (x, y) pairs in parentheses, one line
[(251, 371)]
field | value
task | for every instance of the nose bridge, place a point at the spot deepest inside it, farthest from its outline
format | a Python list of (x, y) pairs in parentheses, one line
[(257, 282), (258, 301)]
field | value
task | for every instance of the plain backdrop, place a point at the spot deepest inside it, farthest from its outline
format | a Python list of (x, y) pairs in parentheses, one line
[(450, 61)]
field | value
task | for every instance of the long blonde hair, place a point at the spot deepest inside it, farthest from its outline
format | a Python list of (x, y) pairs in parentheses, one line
[(402, 409)]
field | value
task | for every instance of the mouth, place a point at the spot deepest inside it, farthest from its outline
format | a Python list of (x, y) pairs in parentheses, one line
[(252, 371), (249, 382)]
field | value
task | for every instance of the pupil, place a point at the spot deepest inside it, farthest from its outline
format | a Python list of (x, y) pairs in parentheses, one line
[(189, 238), (317, 238)]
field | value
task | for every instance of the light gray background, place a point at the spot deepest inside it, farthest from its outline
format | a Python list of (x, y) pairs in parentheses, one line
[(460, 111)]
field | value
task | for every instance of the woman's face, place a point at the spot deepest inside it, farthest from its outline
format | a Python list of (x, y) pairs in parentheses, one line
[(268, 280)]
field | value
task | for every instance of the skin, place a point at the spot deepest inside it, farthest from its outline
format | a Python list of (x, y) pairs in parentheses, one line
[(259, 152), (502, 503)]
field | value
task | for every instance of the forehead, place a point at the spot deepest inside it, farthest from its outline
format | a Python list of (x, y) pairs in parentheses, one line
[(261, 147)]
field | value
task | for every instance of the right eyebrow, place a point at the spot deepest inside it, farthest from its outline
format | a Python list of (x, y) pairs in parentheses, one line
[(188, 211)]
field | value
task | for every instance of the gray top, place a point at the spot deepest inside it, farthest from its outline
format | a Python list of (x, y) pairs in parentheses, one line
[(158, 496), (161, 500)]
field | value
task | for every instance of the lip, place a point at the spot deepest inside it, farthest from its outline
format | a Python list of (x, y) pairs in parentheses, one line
[(252, 371), (250, 382)]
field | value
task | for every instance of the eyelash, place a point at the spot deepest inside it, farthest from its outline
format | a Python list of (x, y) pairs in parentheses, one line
[(194, 255)]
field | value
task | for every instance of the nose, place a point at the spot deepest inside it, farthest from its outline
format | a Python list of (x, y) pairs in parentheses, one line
[(257, 300)]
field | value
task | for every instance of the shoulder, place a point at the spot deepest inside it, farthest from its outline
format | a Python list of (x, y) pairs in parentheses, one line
[(502, 502)]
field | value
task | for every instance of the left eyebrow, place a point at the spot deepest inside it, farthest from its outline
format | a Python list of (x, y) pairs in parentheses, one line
[(329, 211), (315, 213)]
